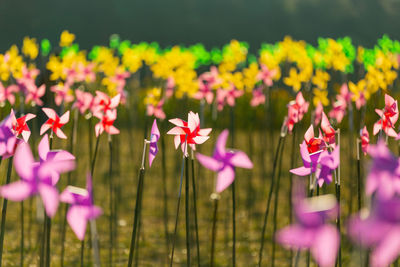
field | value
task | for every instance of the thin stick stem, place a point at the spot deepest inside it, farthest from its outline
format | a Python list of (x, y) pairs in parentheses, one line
[(275, 216), (110, 178), (187, 214), (195, 210), (22, 235), (215, 198), (271, 189), (4, 211), (137, 206), (178, 205)]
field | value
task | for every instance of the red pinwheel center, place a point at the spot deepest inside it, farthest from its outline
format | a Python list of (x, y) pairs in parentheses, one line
[(107, 122), (55, 124), (314, 145), (390, 111), (188, 136), (20, 126)]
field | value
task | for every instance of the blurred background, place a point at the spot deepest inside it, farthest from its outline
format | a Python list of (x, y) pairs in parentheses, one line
[(212, 22)]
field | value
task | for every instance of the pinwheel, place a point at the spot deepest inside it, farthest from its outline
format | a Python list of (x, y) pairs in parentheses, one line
[(8, 140), (36, 178), (7, 94), (258, 97), (56, 156), (313, 144), (296, 110), (388, 117), (54, 122), (384, 175), (63, 93), (188, 132), (81, 209), (19, 125), (84, 101), (104, 103), (378, 230), (34, 94), (329, 132), (311, 231), (266, 75), (364, 135), (153, 148), (224, 161), (106, 122)]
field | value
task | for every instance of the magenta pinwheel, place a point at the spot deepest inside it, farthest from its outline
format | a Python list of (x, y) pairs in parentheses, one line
[(311, 231), (54, 122), (81, 209), (384, 175), (364, 135), (153, 148), (8, 140), (36, 178), (189, 132), (378, 230), (224, 161)]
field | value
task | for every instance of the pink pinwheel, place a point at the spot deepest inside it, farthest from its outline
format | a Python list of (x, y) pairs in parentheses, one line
[(224, 162), (228, 97), (8, 140), (379, 231), (266, 75), (311, 230), (81, 208), (56, 156), (384, 175), (86, 73), (19, 125), (329, 132), (7, 94), (313, 144), (36, 178), (62, 93), (211, 78), (204, 92), (104, 103), (54, 122), (29, 75), (106, 122), (153, 148), (296, 111), (364, 135), (339, 111), (318, 113), (169, 87), (343, 100), (258, 97), (189, 132), (389, 116), (156, 111), (84, 101), (34, 94)]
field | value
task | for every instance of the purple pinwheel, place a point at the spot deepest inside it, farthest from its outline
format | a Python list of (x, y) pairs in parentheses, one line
[(379, 230), (322, 163), (153, 148), (8, 140), (384, 175), (81, 208), (36, 178), (311, 230), (224, 162)]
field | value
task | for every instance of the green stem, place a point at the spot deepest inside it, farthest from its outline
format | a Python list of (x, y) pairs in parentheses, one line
[(165, 196)]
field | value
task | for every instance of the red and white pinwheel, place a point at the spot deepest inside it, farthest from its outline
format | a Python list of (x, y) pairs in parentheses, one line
[(19, 126), (54, 122), (189, 131), (106, 122), (389, 116)]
